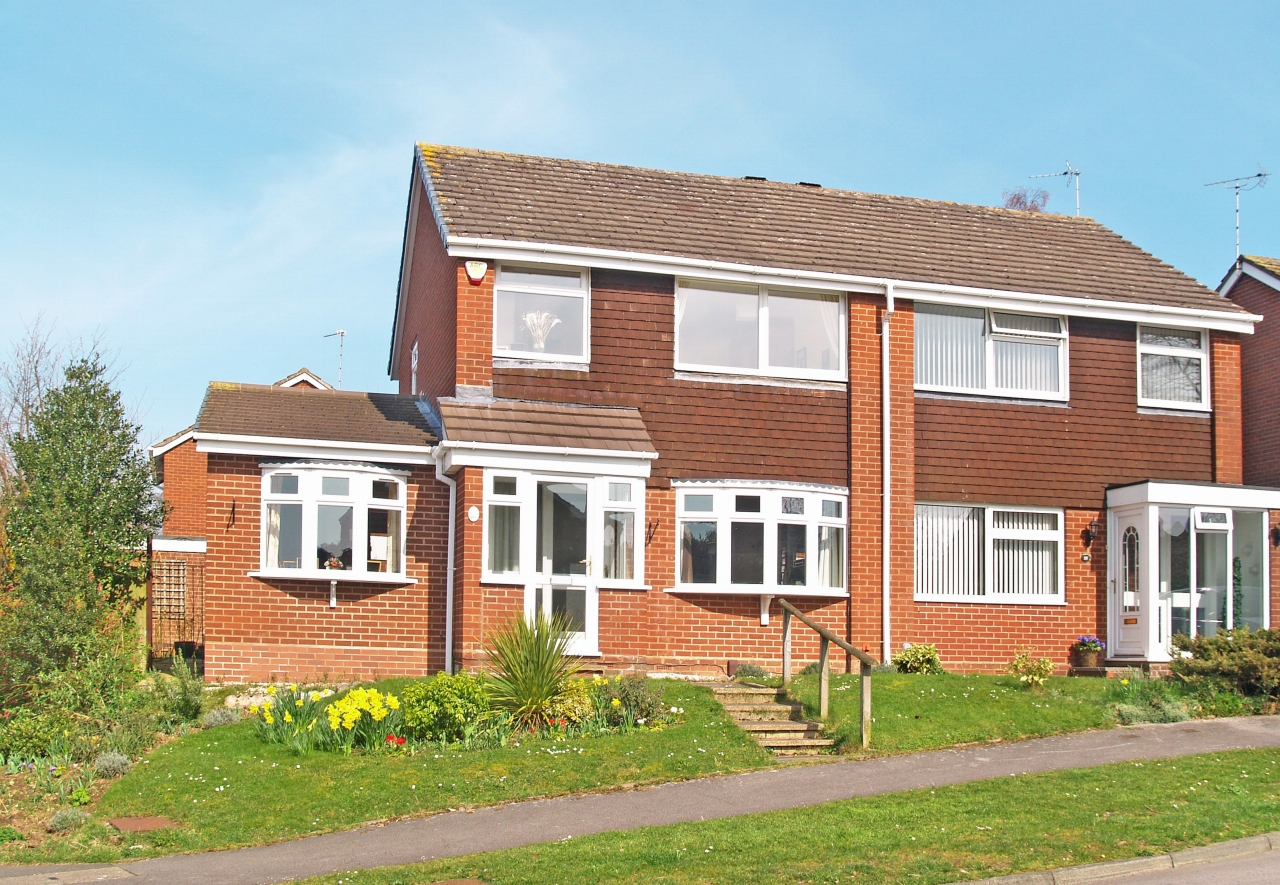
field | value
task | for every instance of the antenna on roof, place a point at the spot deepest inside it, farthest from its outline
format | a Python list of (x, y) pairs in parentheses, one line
[(1248, 183), (342, 337), (1071, 172)]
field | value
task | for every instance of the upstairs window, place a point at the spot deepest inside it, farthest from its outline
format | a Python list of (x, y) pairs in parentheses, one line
[(750, 330), (541, 313), (974, 350), (1173, 368)]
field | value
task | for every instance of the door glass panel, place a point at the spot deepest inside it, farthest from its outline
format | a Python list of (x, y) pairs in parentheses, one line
[(570, 603), (746, 563), (698, 553), (1175, 565), (562, 528), (333, 537), (792, 558), (619, 545), (1249, 541), (1211, 582), (1129, 579)]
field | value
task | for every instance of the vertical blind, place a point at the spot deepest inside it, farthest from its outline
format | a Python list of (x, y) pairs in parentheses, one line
[(951, 346), (952, 342), (953, 545), (948, 550)]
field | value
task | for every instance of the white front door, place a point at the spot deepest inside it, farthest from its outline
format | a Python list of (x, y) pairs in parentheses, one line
[(566, 586), (1129, 601)]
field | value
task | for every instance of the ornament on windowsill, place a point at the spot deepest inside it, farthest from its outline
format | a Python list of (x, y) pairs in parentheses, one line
[(540, 323)]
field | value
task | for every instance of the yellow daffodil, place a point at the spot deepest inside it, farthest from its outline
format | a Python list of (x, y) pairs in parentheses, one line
[(287, 716), (616, 702), (298, 702)]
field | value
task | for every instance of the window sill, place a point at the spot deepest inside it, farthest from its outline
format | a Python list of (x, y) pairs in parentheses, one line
[(1175, 411), (998, 600), (622, 585), (325, 575), (558, 365), (706, 377), (735, 590), (993, 398)]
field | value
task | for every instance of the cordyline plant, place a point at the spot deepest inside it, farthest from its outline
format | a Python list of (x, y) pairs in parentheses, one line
[(531, 667)]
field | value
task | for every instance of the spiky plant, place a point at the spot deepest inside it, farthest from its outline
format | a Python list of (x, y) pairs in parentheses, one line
[(531, 667)]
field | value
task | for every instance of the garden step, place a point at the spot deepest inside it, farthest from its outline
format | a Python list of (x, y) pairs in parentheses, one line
[(747, 712), (765, 725), (745, 694), (798, 746)]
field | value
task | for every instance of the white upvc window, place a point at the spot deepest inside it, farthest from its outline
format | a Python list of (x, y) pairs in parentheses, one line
[(1173, 368), (989, 554), (542, 313), (767, 539), (538, 525), (332, 521), (728, 328), (990, 352)]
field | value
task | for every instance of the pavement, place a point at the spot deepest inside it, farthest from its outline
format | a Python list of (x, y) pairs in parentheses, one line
[(458, 833)]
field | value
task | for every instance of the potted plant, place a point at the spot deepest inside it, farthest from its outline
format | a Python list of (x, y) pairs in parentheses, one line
[(1086, 650)]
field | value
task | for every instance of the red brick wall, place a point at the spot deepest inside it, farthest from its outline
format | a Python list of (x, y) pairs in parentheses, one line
[(255, 630), (475, 329), (184, 490), (430, 312), (1260, 378), (1224, 373)]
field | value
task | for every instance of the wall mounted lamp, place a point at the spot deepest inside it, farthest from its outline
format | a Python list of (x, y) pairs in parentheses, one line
[(1094, 529), (1275, 536)]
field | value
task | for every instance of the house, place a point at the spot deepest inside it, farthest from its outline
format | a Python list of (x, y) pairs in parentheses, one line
[(654, 403), (1254, 283)]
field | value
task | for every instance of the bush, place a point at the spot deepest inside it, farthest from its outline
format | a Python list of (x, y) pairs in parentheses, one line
[(575, 704), (26, 733), (9, 834), (531, 668), (439, 709), (1245, 661), (131, 733), (183, 697), (66, 819), (220, 716), (112, 764), (629, 700), (750, 671), (1031, 672), (919, 658)]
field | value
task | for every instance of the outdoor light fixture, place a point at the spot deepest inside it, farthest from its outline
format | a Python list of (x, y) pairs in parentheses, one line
[(1275, 536), (1092, 532)]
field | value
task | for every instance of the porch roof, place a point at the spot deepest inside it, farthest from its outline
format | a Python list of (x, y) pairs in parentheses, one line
[(1194, 494), (522, 424)]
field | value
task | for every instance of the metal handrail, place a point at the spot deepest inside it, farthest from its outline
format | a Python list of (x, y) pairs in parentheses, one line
[(826, 639)]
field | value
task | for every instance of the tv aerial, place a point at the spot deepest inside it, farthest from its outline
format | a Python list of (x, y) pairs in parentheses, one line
[(342, 338), (1248, 183), (1071, 172)]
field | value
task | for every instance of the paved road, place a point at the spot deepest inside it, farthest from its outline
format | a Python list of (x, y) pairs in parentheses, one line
[(1261, 869), (525, 823)]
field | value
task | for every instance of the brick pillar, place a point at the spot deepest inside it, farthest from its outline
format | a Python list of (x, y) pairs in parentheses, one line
[(475, 330), (1228, 441)]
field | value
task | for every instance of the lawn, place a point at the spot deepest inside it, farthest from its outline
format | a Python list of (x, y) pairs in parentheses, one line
[(226, 788), (970, 831), (913, 712)]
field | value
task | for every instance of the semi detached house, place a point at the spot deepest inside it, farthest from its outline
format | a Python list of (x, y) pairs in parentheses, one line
[(656, 403)]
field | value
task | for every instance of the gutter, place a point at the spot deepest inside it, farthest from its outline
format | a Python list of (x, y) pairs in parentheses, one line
[(886, 478)]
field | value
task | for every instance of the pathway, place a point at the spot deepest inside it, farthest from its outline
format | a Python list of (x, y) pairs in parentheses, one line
[(524, 823)]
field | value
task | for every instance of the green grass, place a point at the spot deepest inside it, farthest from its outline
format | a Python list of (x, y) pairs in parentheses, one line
[(913, 712), (226, 788), (970, 831)]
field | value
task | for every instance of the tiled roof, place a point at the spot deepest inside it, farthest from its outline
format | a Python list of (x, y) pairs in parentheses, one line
[(491, 195), (519, 423), (1268, 264), (305, 413)]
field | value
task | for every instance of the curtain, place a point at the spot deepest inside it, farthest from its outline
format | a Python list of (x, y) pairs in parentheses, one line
[(950, 346), (273, 536), (504, 539), (831, 556), (619, 545), (948, 550)]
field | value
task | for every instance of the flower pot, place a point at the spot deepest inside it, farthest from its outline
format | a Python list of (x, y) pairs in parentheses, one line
[(1086, 658)]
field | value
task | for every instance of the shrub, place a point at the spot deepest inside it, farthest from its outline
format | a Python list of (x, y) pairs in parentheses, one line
[(220, 716), (289, 717), (439, 709), (112, 764), (363, 717), (531, 667), (574, 705), (183, 697), (1031, 672), (131, 733), (1245, 661), (919, 658), (750, 671), (629, 700), (9, 834), (24, 732), (66, 819), (80, 796)]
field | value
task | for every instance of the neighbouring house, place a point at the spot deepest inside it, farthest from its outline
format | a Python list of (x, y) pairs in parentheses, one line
[(655, 403), (1254, 283)]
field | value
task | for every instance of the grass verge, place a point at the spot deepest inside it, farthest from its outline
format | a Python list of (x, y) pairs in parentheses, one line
[(970, 831), (226, 788)]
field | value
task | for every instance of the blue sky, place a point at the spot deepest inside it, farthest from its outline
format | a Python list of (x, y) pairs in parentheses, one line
[(212, 193)]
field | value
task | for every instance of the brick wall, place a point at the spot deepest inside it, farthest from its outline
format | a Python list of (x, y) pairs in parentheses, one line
[(256, 629), (1224, 373), (1260, 380), (430, 311), (184, 490)]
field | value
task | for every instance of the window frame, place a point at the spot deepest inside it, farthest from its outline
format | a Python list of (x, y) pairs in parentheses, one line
[(1202, 353), (989, 535), (598, 504), (990, 335), (360, 498), (763, 369), (584, 292), (724, 514)]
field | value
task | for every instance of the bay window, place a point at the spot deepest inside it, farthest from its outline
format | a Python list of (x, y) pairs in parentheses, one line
[(753, 330), (1173, 368), (988, 554), (323, 519), (995, 352), (541, 313), (767, 534)]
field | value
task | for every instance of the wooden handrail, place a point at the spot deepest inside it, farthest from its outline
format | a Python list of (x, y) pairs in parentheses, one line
[(826, 639)]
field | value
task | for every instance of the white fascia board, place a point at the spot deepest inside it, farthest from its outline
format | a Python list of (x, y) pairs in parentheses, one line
[(277, 447), (579, 256), (548, 459), (1195, 495), (1261, 275), (816, 488), (161, 544), (160, 448)]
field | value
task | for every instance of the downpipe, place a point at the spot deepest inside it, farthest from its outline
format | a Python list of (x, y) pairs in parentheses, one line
[(886, 479)]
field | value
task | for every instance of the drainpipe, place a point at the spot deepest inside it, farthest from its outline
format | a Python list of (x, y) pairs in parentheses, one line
[(886, 478), (453, 534)]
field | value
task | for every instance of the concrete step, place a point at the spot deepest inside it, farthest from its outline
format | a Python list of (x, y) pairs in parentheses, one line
[(798, 747), (745, 694), (768, 733), (748, 712)]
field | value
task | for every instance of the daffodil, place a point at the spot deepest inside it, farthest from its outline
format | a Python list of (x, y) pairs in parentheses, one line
[(616, 702), (287, 716)]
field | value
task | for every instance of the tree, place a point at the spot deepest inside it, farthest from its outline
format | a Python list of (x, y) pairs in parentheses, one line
[(1025, 200)]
